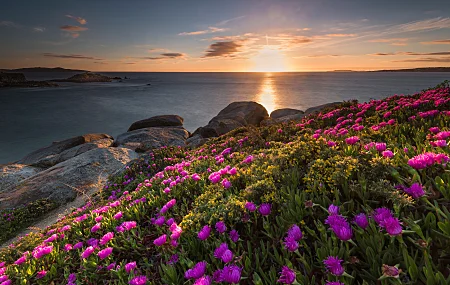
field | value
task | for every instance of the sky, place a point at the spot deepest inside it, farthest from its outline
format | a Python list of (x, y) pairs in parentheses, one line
[(231, 35)]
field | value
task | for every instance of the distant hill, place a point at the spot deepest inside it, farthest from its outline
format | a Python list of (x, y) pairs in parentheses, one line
[(422, 69), (43, 69)]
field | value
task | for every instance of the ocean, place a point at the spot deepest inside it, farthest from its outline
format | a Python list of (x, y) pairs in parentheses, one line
[(32, 118)]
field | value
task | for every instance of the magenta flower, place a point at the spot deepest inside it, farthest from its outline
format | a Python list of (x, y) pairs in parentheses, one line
[(78, 245), (3, 278), (392, 226), (226, 183), (214, 177), (434, 130), (111, 266), (290, 244), (331, 143), (231, 274), (361, 220), (160, 241), (106, 238), (118, 216), (221, 227), (98, 219), (232, 171), (416, 191), (388, 153), (234, 235), (333, 210), (7, 282), (105, 252), (197, 271), (128, 225), (295, 232), (96, 227), (92, 242), (352, 140), (380, 214), (204, 233), (51, 238), (41, 274), (390, 271), (264, 209), (159, 221), (130, 266), (287, 275), (218, 252), (204, 280), (195, 177), (340, 227), (40, 251), (20, 260), (248, 159), (138, 280), (380, 146), (333, 265), (72, 278), (227, 256), (87, 252), (250, 206)]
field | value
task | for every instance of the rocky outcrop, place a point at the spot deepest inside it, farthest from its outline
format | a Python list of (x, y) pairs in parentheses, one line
[(12, 174), (196, 141), (157, 121), (148, 138), (80, 175), (284, 119), (48, 156), (87, 77), (235, 115), (284, 112), (319, 108), (19, 80)]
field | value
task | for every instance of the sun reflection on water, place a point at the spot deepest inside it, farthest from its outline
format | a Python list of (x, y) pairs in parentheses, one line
[(267, 93)]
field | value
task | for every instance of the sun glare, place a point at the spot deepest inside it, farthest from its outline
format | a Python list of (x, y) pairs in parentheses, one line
[(267, 93), (269, 59)]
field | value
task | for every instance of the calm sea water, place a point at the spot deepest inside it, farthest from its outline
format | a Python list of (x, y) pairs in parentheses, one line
[(34, 117)]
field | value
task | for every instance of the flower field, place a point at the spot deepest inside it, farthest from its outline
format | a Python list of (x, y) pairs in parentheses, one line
[(358, 194)]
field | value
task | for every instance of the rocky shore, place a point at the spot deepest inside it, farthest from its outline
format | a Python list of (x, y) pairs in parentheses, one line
[(19, 80)]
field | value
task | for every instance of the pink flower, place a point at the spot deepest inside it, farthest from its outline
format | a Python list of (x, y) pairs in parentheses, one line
[(106, 238), (227, 256), (361, 220), (380, 146), (128, 225), (333, 264), (87, 252), (96, 227), (197, 271), (352, 140), (130, 266), (392, 226), (264, 209), (138, 280), (234, 235), (78, 245), (160, 241), (388, 153), (204, 233), (434, 130), (416, 190), (221, 227), (250, 206), (232, 171), (287, 275), (118, 216), (41, 274), (226, 184), (105, 252), (331, 143), (40, 251), (98, 219)]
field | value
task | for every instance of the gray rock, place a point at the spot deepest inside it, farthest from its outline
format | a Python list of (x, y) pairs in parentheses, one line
[(158, 121), (149, 138), (284, 112), (321, 107), (235, 115), (45, 157), (12, 174), (80, 175), (196, 141)]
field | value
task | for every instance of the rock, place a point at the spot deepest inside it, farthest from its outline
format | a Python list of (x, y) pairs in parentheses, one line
[(80, 175), (86, 78), (149, 138), (19, 80), (46, 156), (158, 121), (321, 107), (235, 115), (285, 119), (196, 141), (284, 112), (12, 77), (13, 174)]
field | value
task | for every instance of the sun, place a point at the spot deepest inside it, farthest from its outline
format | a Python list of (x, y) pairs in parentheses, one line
[(269, 59)]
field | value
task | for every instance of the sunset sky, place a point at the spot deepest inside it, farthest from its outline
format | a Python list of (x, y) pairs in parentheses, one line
[(231, 35)]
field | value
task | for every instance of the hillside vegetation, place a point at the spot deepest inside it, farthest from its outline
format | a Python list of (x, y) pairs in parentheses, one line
[(357, 194)]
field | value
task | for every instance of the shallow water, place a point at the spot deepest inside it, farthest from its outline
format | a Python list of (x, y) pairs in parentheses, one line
[(31, 118)]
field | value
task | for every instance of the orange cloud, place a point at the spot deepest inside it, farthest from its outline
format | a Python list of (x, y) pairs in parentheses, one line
[(78, 19), (69, 28), (341, 35), (437, 42)]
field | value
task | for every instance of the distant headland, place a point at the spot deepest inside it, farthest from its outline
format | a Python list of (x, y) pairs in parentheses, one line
[(420, 69)]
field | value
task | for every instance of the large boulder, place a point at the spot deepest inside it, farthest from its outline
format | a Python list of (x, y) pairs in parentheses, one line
[(150, 138), (284, 119), (158, 121), (46, 157), (285, 112), (319, 108), (13, 174), (196, 141), (80, 175), (235, 115)]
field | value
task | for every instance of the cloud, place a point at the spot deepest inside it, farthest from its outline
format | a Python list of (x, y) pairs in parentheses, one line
[(100, 62), (8, 24), (229, 20), (391, 41), (223, 49), (78, 19), (437, 42), (210, 30), (70, 56), (411, 53), (69, 28), (424, 25), (303, 29), (341, 35), (39, 29), (167, 55), (426, 59)]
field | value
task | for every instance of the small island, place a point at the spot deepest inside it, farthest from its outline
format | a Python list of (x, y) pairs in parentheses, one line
[(19, 80), (87, 77), (44, 69)]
